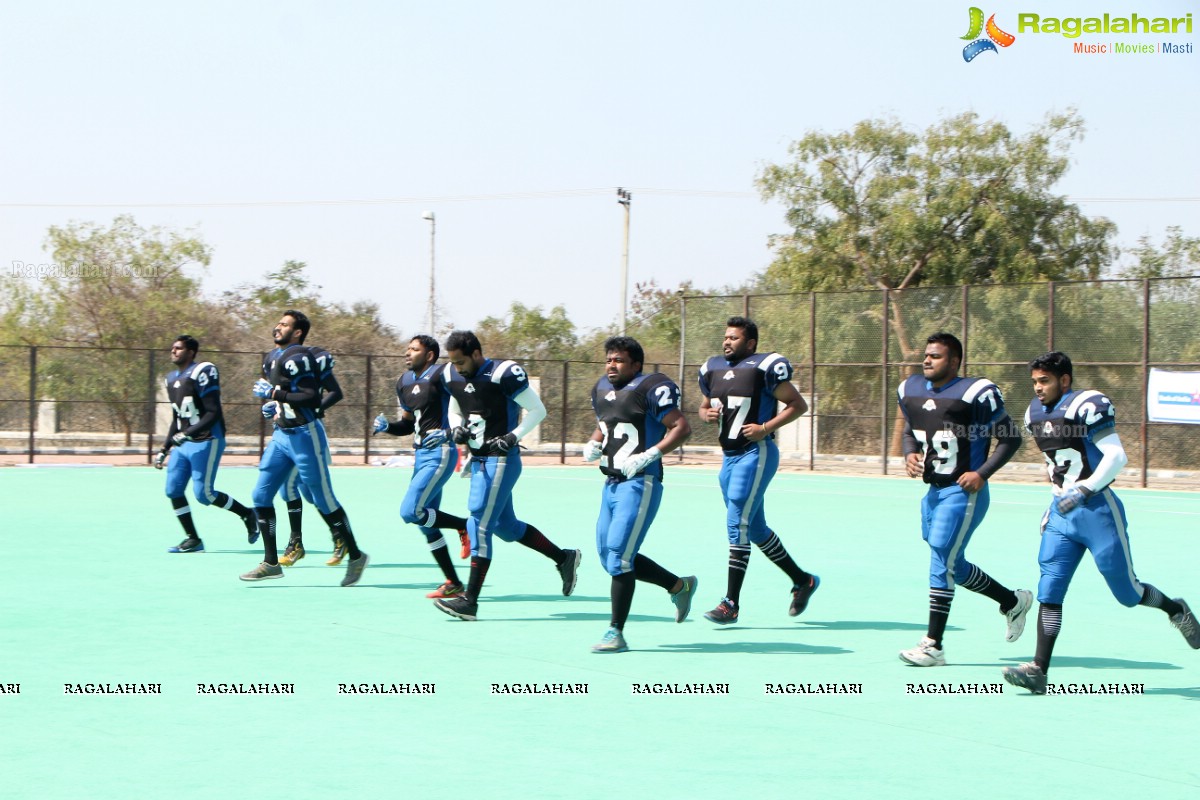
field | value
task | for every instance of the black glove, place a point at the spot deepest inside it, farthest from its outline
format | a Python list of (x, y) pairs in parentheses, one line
[(502, 444), (460, 434)]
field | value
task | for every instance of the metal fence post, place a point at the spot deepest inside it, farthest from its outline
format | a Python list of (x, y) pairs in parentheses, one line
[(562, 434), (1145, 379), (883, 394), (32, 400), (150, 398), (367, 425)]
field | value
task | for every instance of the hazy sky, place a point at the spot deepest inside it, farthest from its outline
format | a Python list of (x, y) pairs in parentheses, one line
[(322, 132)]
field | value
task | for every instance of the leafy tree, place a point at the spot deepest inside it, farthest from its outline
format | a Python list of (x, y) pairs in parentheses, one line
[(529, 334)]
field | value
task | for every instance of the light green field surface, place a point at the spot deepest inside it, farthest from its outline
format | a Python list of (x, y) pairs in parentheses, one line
[(90, 596)]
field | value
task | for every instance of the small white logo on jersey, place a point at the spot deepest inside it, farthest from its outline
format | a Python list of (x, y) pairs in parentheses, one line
[(176, 384), (470, 388), (1048, 429), (416, 390), (610, 396), (729, 375), (929, 405)]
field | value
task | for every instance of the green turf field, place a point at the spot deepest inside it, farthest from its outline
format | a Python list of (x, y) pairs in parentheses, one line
[(91, 596)]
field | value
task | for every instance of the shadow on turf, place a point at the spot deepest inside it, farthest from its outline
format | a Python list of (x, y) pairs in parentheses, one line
[(1191, 693), (760, 648), (868, 625), (1085, 662)]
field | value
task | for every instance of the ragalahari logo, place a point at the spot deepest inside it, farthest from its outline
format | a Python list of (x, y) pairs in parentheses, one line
[(995, 36)]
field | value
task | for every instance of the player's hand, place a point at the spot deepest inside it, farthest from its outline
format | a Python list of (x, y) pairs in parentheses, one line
[(160, 458), (380, 425), (460, 434), (914, 465), (592, 450), (502, 444), (971, 482), (712, 412), (636, 463), (262, 388), (754, 432), (1071, 499), (433, 439), (269, 409), (180, 438)]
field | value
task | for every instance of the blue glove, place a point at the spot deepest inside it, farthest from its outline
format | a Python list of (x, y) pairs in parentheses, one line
[(160, 459), (380, 425), (269, 409), (433, 439), (180, 438), (502, 444), (262, 388), (1071, 499), (635, 464)]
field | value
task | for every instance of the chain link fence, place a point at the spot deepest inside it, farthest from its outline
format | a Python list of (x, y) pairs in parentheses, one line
[(850, 351)]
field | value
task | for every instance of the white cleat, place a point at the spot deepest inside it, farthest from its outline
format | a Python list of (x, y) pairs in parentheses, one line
[(924, 655), (1016, 615)]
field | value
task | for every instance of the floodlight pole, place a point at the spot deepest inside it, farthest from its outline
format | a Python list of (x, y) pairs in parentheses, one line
[(624, 198), (432, 242)]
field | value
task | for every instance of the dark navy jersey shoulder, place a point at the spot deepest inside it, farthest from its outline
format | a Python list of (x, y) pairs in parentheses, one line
[(953, 423), (426, 397), (487, 399), (631, 418), (1066, 433), (187, 389), (289, 369), (744, 392)]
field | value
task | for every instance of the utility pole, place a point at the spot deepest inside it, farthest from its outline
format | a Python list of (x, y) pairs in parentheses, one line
[(432, 241), (624, 198)]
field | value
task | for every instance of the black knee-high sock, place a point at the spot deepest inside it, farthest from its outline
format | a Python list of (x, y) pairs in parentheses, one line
[(1153, 598), (739, 560), (443, 520), (266, 529), (536, 540), (441, 554), (622, 598), (183, 513), (339, 528), (773, 549), (1049, 623), (982, 583), (295, 512), (645, 569), (229, 504), (479, 569), (939, 613)]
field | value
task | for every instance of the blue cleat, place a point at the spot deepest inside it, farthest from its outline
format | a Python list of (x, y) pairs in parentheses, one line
[(187, 546), (613, 642), (683, 598)]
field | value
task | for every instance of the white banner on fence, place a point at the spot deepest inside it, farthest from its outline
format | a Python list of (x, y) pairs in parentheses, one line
[(1174, 396)]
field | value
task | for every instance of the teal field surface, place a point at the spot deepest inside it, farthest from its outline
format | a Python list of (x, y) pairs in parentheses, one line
[(516, 705)]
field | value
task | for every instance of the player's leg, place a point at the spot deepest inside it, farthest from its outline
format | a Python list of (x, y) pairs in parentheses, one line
[(621, 591), (1058, 557), (273, 468), (430, 472), (178, 471), (313, 461), (1102, 524), (632, 507), (205, 458), (733, 484), (289, 493), (945, 517), (466, 605)]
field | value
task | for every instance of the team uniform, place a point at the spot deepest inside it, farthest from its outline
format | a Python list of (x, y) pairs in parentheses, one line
[(293, 488), (298, 441), (743, 392), (1092, 519), (195, 395), (952, 427), (631, 419)]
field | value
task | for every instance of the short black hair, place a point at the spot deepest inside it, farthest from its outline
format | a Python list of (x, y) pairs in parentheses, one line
[(1055, 362), (950, 341), (429, 343), (302, 323), (746, 324), (465, 342), (625, 344), (189, 342)]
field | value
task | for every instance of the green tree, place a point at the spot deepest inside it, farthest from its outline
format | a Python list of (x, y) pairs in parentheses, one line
[(529, 333)]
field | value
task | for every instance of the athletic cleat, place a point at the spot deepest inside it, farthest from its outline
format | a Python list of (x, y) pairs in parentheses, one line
[(1028, 676), (291, 555), (446, 590), (613, 642), (1185, 621), (263, 571), (464, 539), (726, 612), (251, 523), (459, 607), (1016, 615), (197, 546), (569, 570), (339, 552), (683, 598), (924, 655), (354, 569), (801, 594)]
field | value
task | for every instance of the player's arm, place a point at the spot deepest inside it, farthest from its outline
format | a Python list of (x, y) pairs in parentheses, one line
[(593, 448), (678, 431), (914, 454), (1008, 442), (332, 394), (307, 394), (794, 406), (1112, 460), (401, 427), (212, 405), (535, 412)]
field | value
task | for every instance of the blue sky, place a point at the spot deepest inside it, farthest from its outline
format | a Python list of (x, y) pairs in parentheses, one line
[(273, 129)]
